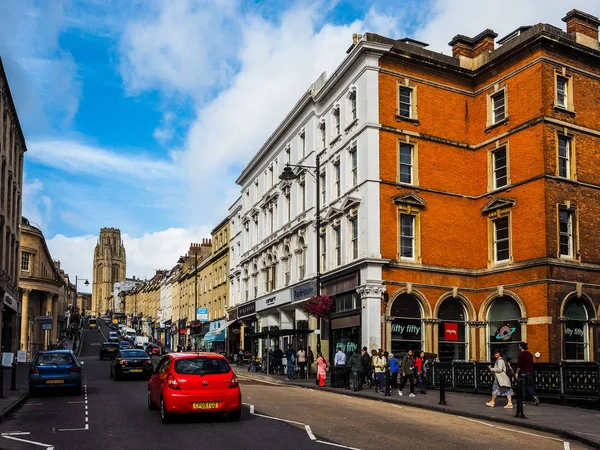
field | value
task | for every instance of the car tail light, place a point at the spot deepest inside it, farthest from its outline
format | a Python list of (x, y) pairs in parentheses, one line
[(75, 369), (147, 362), (172, 382), (234, 382), (123, 361), (34, 371)]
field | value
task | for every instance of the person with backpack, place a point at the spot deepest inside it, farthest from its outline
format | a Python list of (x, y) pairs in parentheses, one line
[(408, 373), (355, 363), (394, 368), (501, 384)]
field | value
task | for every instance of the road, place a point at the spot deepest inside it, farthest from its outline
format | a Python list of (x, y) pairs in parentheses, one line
[(115, 415)]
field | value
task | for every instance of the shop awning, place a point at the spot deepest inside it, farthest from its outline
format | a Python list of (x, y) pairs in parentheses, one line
[(224, 327), (278, 333), (213, 336)]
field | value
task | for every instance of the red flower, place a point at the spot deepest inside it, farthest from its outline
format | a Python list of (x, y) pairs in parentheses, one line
[(319, 306)]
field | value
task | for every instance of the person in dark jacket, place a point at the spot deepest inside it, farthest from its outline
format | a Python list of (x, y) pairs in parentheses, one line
[(277, 357), (394, 367), (366, 365), (419, 371), (355, 363), (290, 355), (407, 371)]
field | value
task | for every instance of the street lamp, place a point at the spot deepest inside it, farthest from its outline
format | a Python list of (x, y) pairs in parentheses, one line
[(289, 175), (77, 280)]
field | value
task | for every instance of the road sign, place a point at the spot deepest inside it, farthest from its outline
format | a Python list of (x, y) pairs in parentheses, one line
[(22, 356), (202, 314), (47, 326), (317, 332), (42, 319)]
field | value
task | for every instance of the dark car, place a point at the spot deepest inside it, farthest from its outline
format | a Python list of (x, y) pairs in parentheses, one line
[(131, 362), (125, 345), (109, 350), (55, 369), (152, 349)]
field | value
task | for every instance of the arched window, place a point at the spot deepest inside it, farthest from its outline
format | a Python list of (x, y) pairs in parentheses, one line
[(575, 330), (504, 327), (267, 272), (301, 255), (255, 279), (407, 324), (452, 331), (287, 264)]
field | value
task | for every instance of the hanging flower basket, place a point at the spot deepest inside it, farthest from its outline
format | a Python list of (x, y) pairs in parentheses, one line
[(319, 306), (195, 326)]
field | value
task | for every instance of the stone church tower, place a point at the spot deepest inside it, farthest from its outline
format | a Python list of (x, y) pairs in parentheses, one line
[(109, 267)]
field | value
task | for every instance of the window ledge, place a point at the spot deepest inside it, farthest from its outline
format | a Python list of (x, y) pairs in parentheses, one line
[(497, 124), (565, 110), (335, 139), (400, 118), (351, 124)]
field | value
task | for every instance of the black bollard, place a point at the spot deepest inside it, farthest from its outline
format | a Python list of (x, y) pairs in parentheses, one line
[(2, 382), (13, 377), (387, 383), (519, 393), (442, 389)]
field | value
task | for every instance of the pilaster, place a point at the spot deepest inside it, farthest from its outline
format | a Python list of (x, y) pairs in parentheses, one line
[(372, 318)]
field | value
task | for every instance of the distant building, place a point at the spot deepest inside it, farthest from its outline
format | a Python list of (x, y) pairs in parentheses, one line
[(122, 286), (109, 267)]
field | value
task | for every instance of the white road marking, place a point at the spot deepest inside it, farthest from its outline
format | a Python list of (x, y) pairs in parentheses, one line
[(567, 445), (310, 433), (48, 446), (344, 395), (33, 404), (251, 409), (80, 401), (476, 421), (16, 433), (73, 429), (397, 406), (336, 445), (277, 418), (530, 434)]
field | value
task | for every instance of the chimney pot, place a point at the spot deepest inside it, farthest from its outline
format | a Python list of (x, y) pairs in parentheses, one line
[(472, 47), (581, 22)]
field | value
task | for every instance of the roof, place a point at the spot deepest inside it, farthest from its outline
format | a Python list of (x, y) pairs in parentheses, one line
[(184, 355)]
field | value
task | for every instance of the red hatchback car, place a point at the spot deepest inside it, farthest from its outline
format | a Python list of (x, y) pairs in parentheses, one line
[(194, 383)]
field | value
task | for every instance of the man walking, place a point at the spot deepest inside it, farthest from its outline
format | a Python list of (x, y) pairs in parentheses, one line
[(407, 370), (366, 368), (311, 359), (525, 371), (355, 364), (290, 355), (277, 357)]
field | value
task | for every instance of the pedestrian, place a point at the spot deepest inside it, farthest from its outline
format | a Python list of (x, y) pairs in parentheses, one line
[(372, 369), (379, 362), (355, 363), (408, 373), (311, 360), (74, 346), (501, 384), (419, 369), (301, 356), (366, 366), (340, 358), (321, 369), (290, 355), (394, 367), (277, 358), (525, 373)]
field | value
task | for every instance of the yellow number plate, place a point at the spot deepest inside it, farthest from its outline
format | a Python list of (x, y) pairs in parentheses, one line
[(136, 370), (206, 405), (112, 349), (55, 381)]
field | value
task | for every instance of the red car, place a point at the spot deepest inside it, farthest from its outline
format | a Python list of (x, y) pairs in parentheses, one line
[(194, 383)]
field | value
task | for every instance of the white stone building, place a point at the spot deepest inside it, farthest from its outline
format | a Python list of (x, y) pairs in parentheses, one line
[(122, 286), (273, 259)]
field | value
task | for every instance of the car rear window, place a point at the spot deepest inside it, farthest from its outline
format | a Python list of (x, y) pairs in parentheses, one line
[(200, 366), (134, 354), (92, 321), (51, 359)]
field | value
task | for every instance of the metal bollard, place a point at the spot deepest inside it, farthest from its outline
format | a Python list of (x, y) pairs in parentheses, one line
[(387, 383), (519, 393), (442, 389), (13, 377)]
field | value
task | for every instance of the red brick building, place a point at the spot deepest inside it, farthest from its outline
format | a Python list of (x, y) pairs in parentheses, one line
[(490, 193)]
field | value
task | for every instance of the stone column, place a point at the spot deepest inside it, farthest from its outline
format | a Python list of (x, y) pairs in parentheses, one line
[(54, 333), (473, 335), (25, 320), (370, 295), (48, 312)]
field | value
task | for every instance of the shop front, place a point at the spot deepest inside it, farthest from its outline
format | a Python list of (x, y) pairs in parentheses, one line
[(248, 321), (214, 339)]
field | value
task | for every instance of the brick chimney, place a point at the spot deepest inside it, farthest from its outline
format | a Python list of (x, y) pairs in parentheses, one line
[(584, 26), (468, 49)]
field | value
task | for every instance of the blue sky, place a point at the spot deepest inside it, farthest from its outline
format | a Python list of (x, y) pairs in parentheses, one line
[(140, 115)]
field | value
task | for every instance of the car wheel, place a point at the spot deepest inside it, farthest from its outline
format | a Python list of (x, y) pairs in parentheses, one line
[(165, 416), (234, 416), (151, 404), (116, 376)]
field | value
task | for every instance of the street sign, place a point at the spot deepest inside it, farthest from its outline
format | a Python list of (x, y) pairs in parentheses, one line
[(47, 326), (202, 314), (21, 356), (42, 319), (7, 359), (317, 332)]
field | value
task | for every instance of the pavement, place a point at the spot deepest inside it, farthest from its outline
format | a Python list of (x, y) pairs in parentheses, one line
[(276, 415), (580, 424)]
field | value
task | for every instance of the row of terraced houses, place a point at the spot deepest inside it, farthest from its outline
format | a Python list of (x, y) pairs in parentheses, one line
[(459, 208)]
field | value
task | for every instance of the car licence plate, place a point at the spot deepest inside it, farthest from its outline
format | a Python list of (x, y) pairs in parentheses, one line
[(136, 370), (112, 349), (206, 405), (55, 381)]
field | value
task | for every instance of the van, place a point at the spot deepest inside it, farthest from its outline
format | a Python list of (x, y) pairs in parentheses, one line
[(128, 332), (140, 341)]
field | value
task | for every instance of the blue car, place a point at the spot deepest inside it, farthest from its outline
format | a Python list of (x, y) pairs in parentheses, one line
[(55, 369), (125, 345)]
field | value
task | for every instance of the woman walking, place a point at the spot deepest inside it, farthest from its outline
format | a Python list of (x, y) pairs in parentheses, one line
[(321, 369), (501, 382), (380, 363)]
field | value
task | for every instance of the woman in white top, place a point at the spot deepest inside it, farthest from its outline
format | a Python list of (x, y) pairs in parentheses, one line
[(301, 357), (502, 384)]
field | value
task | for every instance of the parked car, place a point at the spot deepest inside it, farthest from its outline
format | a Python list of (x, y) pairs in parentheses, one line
[(109, 350), (55, 369), (131, 362), (113, 336), (124, 345), (194, 383), (152, 349)]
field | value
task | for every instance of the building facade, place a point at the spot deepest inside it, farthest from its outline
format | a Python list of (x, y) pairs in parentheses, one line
[(110, 266), (12, 151)]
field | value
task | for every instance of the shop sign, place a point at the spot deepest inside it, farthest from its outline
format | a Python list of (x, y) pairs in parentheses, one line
[(247, 310), (183, 331), (42, 319), (304, 291), (202, 314), (347, 347), (7, 359), (233, 314), (271, 301), (505, 333), (11, 302), (46, 326), (574, 331), (406, 329), (450, 331)]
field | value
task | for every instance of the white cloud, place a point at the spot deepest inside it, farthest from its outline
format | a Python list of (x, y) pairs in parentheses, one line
[(165, 131), (470, 17), (145, 254), (36, 206)]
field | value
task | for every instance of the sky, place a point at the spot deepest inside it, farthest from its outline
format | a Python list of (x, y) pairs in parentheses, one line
[(140, 115)]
